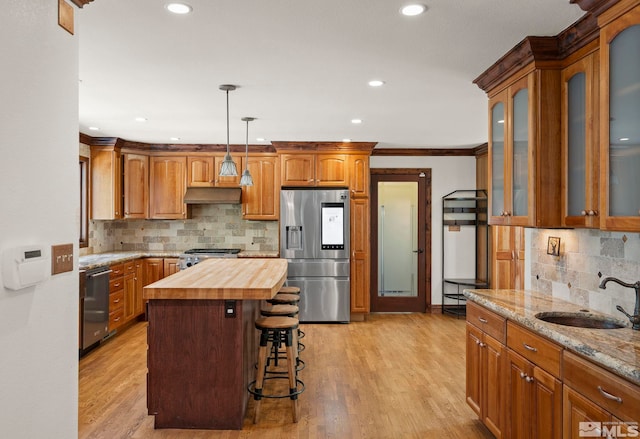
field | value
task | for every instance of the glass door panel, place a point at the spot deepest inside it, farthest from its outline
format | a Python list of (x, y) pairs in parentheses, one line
[(576, 133), (497, 159), (520, 163), (397, 239), (624, 128)]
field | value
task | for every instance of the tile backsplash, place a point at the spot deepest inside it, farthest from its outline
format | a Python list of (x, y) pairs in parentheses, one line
[(573, 275), (212, 225)]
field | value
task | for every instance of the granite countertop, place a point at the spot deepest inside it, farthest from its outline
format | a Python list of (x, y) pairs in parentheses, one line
[(615, 349), (98, 259)]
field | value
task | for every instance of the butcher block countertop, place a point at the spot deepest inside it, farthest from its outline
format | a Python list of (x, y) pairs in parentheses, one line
[(223, 278)]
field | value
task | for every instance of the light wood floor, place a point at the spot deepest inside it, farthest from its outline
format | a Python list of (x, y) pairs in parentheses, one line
[(393, 376)]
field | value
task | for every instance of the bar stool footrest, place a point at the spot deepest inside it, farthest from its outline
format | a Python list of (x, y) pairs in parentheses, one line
[(257, 393)]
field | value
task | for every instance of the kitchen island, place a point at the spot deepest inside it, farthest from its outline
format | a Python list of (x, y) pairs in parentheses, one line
[(203, 343)]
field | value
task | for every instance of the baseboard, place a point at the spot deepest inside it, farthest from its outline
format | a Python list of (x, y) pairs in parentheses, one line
[(436, 309)]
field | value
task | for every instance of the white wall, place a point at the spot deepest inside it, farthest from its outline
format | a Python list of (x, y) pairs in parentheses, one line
[(447, 174), (38, 181)]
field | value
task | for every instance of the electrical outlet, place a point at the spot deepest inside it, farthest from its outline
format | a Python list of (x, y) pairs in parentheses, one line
[(61, 258), (230, 309)]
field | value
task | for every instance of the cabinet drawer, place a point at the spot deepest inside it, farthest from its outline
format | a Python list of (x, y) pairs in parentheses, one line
[(488, 321), (116, 284), (534, 348), (116, 300), (616, 395), (116, 318), (117, 270), (129, 267)]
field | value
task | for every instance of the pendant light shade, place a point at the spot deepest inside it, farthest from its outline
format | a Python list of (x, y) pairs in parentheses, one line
[(228, 168), (246, 179)]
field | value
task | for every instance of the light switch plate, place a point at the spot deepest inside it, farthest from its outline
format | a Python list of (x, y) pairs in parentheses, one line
[(61, 258)]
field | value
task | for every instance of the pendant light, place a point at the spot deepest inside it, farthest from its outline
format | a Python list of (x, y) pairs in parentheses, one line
[(246, 179), (228, 168)]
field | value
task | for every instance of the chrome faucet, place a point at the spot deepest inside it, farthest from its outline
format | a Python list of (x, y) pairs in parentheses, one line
[(635, 318)]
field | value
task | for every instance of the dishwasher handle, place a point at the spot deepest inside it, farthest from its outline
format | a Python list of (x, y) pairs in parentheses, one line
[(102, 273)]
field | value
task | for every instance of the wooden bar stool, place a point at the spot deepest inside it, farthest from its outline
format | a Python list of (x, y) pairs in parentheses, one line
[(284, 299), (284, 311), (285, 289), (272, 330)]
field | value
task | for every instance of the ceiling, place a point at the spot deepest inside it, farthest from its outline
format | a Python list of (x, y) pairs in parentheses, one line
[(301, 68)]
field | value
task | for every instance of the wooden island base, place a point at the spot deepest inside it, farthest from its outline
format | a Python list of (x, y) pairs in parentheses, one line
[(201, 357), (200, 363)]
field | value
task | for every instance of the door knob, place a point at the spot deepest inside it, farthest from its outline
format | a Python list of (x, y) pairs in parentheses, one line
[(419, 251)]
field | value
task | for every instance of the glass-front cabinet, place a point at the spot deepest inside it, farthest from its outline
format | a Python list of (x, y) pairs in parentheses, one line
[(620, 121), (580, 169), (511, 163)]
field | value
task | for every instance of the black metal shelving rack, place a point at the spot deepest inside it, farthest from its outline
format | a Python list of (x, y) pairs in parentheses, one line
[(464, 208)]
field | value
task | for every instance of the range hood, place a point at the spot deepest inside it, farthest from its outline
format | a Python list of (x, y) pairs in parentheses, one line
[(213, 195)]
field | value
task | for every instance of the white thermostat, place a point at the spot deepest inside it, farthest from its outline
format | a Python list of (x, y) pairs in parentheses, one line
[(24, 266)]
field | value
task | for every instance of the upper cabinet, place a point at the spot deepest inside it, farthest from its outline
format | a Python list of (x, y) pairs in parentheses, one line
[(620, 117), (262, 200), (106, 183), (524, 153), (580, 152), (167, 185), (359, 176), (200, 171), (314, 170), (136, 186)]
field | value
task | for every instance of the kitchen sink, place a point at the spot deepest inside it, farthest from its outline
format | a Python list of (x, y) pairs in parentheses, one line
[(580, 320)]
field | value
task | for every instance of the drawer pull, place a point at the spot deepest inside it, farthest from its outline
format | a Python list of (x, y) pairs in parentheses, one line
[(483, 320), (529, 348), (529, 379), (116, 301), (609, 395), (523, 375)]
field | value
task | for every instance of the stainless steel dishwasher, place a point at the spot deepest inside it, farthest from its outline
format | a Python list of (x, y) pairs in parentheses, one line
[(95, 315)]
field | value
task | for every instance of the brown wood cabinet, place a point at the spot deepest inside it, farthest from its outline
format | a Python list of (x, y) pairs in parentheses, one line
[(486, 367), (170, 266), (137, 295), (507, 257), (524, 158), (200, 171), (262, 200), (360, 255), (535, 400), (116, 296), (136, 186), (314, 170), (167, 181), (106, 183), (580, 149), (153, 270), (620, 112), (359, 175)]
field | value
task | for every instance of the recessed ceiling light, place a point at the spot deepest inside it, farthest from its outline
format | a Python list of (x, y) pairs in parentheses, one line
[(94, 128), (356, 121), (413, 10), (141, 119), (260, 139), (346, 140), (179, 8), (376, 83), (174, 139), (623, 139)]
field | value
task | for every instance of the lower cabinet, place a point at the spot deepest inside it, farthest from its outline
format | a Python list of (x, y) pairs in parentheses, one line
[(532, 388), (170, 266), (535, 400), (485, 390), (116, 296)]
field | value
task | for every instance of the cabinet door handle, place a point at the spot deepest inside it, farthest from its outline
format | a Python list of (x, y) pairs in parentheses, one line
[(529, 379), (593, 213), (529, 348), (482, 320), (609, 395), (583, 213), (523, 375)]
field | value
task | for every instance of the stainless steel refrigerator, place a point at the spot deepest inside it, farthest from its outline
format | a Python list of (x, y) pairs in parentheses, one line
[(314, 238)]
